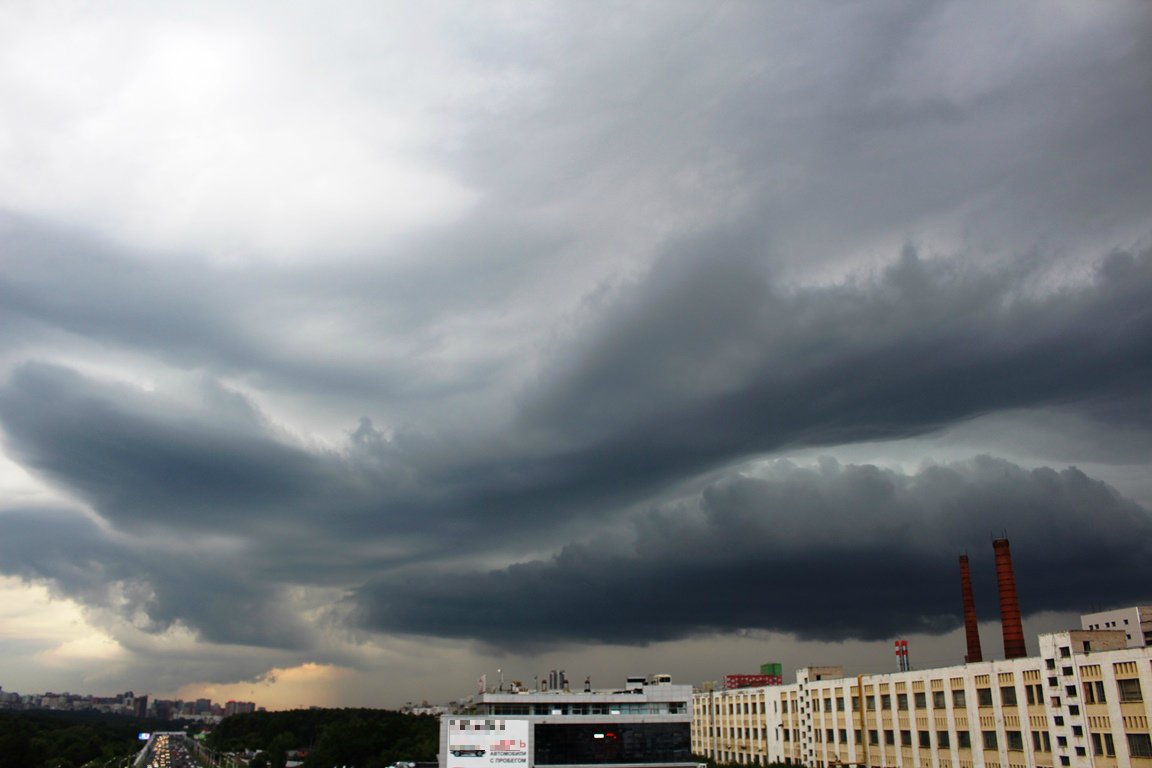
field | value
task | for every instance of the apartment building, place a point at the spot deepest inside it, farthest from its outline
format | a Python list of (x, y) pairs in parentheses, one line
[(1084, 701)]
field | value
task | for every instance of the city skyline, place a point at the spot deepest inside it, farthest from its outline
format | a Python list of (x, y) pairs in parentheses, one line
[(125, 703), (347, 355)]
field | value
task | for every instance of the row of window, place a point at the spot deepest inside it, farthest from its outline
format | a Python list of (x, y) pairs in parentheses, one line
[(943, 739), (1103, 744), (735, 707), (1128, 688), (739, 733), (649, 708)]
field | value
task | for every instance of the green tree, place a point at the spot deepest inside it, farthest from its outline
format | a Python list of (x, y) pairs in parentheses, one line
[(278, 749), (20, 748)]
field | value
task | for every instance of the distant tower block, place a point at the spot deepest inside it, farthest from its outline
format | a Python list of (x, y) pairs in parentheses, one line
[(1009, 604), (971, 630)]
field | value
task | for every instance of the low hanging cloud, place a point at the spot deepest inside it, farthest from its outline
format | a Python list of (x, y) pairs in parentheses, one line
[(702, 363), (707, 360), (741, 360), (830, 553), (639, 253), (153, 583)]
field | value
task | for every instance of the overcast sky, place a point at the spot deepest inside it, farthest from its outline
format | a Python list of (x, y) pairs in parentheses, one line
[(349, 352)]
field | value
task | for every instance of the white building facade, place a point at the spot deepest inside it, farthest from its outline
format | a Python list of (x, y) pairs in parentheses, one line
[(1084, 701), (644, 724)]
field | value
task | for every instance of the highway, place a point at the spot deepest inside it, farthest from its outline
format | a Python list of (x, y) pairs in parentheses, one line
[(176, 750), (169, 750)]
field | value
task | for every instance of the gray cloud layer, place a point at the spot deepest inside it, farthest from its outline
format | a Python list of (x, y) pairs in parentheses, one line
[(703, 363), (923, 344), (673, 250), (153, 583), (832, 553)]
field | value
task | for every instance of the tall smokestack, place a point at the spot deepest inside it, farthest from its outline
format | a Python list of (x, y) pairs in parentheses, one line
[(1009, 604), (971, 630)]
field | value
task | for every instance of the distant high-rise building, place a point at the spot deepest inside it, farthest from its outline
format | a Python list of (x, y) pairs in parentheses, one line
[(234, 707)]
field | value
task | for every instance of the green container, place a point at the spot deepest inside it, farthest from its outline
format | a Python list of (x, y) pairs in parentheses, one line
[(773, 668)]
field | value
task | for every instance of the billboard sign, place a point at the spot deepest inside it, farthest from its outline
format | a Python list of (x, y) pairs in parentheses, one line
[(475, 742)]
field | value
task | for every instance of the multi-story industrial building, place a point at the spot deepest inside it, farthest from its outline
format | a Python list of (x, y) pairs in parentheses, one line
[(1086, 700), (1080, 703), (647, 722)]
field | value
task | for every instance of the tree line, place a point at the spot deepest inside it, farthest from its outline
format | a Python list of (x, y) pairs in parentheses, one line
[(365, 738), (47, 739)]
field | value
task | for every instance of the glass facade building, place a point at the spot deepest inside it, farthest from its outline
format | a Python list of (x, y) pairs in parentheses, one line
[(607, 744)]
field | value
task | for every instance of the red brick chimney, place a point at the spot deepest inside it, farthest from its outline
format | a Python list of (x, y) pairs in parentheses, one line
[(1009, 604), (971, 631)]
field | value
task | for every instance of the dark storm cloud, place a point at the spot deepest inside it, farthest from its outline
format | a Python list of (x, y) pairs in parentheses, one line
[(254, 320), (788, 143), (830, 553), (138, 462), (708, 360), (698, 365), (702, 363), (152, 582), (150, 464), (146, 462)]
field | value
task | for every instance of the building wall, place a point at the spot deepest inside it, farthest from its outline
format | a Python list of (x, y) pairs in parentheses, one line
[(645, 726), (1040, 711), (1135, 622)]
